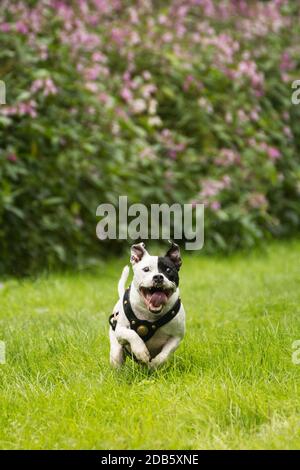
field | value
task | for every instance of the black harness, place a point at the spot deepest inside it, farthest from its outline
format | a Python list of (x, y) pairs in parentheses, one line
[(144, 328)]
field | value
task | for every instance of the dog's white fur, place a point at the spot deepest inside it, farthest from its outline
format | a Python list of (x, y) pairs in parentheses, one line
[(166, 339), (122, 281)]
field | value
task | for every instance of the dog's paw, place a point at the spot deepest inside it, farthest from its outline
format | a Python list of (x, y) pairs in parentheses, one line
[(158, 361), (142, 354), (154, 363)]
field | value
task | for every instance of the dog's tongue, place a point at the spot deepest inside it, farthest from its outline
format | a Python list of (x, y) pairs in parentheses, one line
[(158, 298)]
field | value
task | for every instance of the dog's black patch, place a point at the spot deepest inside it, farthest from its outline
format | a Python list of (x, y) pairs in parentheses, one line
[(168, 268)]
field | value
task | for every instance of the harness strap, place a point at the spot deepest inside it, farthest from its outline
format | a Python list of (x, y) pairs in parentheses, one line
[(144, 328), (113, 320)]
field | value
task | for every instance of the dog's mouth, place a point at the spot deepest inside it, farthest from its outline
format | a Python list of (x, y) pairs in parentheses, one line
[(155, 297)]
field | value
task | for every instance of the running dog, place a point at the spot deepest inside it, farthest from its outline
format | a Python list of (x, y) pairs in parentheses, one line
[(148, 321)]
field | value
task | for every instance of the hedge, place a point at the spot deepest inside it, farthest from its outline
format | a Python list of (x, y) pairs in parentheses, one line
[(174, 101)]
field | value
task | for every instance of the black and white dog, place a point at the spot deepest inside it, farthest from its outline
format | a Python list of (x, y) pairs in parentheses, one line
[(148, 321)]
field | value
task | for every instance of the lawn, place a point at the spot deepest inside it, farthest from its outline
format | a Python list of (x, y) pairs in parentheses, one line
[(231, 384)]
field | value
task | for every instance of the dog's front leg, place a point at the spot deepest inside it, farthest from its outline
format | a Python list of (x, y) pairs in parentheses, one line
[(167, 350), (139, 349), (117, 357)]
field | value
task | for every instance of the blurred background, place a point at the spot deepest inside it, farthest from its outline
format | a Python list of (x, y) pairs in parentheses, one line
[(162, 101)]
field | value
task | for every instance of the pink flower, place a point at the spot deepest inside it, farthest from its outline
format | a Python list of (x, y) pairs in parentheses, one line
[(154, 121), (126, 94), (286, 63), (134, 38), (257, 200), (36, 85), (254, 115), (118, 36), (226, 181), (121, 113), (215, 206), (45, 84), (211, 188), (227, 157), (162, 19), (25, 108), (146, 75), (166, 133), (115, 128), (99, 57), (182, 11), (91, 86), (50, 88), (138, 106), (242, 116), (43, 52), (205, 104), (92, 73), (148, 153), (188, 81), (286, 116), (104, 97), (248, 69), (252, 142), (21, 27), (134, 18), (273, 153), (5, 27), (167, 37), (287, 131), (228, 117), (148, 90), (12, 157), (172, 154)]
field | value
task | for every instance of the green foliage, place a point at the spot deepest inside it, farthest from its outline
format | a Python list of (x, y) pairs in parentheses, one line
[(170, 104)]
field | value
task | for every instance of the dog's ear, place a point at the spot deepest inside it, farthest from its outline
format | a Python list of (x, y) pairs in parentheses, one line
[(137, 253), (173, 254)]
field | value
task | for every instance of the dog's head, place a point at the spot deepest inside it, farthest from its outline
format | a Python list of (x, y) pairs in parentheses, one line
[(155, 277)]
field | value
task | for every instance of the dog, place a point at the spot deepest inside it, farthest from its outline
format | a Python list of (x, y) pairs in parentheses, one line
[(148, 321)]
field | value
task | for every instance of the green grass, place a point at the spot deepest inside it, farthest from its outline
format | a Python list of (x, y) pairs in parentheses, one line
[(231, 384)]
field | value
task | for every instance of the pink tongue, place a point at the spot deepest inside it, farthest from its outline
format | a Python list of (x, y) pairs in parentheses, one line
[(158, 298)]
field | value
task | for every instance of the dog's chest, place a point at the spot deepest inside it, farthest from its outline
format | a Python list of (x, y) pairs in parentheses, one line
[(156, 343)]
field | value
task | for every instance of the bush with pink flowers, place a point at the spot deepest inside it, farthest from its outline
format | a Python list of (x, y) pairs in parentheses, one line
[(175, 101)]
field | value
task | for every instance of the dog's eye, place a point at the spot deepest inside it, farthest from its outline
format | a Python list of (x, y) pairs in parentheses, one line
[(168, 270), (146, 269)]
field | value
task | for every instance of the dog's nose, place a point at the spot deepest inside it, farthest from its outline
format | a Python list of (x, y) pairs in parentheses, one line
[(158, 278)]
